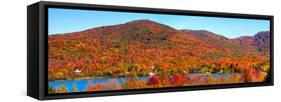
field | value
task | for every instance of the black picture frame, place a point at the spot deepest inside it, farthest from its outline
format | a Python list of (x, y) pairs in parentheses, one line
[(37, 31)]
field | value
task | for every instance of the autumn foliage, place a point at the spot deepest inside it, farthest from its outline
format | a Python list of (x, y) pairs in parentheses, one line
[(138, 48)]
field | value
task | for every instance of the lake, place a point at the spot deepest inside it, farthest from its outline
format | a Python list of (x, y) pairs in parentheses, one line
[(82, 84)]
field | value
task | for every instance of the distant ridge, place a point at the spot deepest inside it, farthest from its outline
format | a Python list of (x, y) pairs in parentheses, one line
[(261, 40), (143, 30)]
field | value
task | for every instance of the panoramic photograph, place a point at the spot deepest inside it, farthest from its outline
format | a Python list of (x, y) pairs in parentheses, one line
[(91, 50)]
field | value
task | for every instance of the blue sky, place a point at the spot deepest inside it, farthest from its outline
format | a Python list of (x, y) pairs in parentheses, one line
[(72, 20)]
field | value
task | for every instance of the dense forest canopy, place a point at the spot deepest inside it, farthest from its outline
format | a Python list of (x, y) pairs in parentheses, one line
[(140, 47)]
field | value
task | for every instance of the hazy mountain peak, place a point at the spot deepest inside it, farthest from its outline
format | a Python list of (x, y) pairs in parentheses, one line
[(263, 34)]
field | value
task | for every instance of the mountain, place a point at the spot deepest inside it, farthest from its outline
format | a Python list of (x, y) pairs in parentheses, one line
[(132, 30), (219, 41), (140, 44), (154, 34), (261, 41), (147, 33)]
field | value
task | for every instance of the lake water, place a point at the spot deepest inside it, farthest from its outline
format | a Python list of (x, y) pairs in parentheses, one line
[(82, 84)]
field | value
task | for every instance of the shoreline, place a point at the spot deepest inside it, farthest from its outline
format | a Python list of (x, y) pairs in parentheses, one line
[(94, 78)]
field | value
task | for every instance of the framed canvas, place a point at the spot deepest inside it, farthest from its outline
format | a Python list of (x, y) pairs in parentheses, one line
[(83, 50)]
